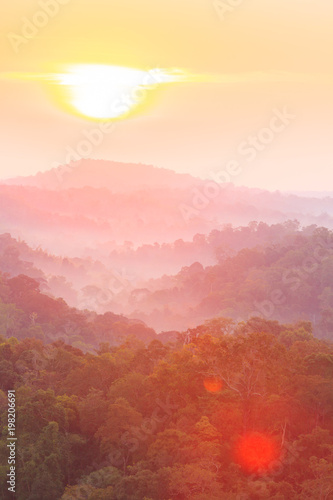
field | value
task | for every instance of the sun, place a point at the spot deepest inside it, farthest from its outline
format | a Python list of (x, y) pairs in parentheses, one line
[(104, 92)]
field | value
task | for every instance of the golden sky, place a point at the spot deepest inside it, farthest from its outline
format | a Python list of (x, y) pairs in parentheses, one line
[(264, 54)]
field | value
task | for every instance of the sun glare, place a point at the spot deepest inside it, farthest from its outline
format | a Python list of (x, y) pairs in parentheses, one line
[(108, 92)]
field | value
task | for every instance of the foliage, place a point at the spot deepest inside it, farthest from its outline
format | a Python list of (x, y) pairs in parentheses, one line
[(137, 421)]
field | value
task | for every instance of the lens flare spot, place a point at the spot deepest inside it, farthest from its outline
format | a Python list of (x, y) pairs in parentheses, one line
[(256, 452), (213, 384)]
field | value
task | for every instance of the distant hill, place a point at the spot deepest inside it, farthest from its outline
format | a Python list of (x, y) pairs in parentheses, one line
[(92, 204), (115, 176)]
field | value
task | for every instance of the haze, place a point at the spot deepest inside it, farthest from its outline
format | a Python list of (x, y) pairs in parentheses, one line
[(192, 127)]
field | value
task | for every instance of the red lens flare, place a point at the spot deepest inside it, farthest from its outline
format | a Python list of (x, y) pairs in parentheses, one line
[(256, 452), (213, 384)]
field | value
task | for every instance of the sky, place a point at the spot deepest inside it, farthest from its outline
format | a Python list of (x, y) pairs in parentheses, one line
[(258, 91)]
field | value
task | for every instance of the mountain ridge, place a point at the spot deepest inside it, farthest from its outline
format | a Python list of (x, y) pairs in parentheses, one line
[(117, 176)]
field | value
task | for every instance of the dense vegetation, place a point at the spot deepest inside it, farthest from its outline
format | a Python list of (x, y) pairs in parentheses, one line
[(233, 401), (281, 272), (288, 279), (225, 412), (26, 312)]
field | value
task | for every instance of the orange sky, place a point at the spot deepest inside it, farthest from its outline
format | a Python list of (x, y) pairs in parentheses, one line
[(269, 54)]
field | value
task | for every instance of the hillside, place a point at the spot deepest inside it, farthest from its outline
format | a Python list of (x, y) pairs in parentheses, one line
[(281, 272), (288, 280), (25, 312), (137, 204), (115, 176)]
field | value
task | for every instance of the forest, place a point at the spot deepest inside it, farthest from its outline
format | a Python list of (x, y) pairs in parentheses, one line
[(280, 272), (107, 409), (157, 368), (222, 411)]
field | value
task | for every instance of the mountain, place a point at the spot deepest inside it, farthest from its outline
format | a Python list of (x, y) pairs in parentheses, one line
[(115, 176), (102, 234), (92, 204)]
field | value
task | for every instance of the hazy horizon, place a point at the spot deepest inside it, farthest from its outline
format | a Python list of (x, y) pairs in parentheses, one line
[(203, 177), (233, 88)]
